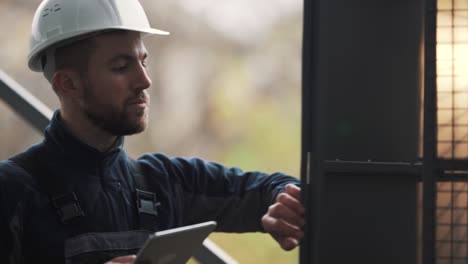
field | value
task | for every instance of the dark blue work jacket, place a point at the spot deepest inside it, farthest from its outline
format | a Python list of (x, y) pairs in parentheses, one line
[(188, 190)]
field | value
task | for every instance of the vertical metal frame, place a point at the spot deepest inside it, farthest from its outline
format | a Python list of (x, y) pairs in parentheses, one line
[(429, 135), (309, 250)]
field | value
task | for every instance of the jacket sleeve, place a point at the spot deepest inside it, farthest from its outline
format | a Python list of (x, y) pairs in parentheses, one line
[(6, 243), (5, 238), (236, 200), (12, 189)]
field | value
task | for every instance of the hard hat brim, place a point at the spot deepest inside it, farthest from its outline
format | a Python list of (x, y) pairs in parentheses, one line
[(60, 39)]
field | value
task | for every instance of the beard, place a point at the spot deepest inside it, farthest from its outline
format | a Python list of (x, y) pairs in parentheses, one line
[(112, 119)]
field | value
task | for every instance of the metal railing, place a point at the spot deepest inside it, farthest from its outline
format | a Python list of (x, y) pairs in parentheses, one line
[(36, 113)]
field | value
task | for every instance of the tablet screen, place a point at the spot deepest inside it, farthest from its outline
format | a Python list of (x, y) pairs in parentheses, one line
[(174, 246)]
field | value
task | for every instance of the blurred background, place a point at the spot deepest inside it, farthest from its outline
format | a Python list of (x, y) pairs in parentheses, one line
[(226, 87)]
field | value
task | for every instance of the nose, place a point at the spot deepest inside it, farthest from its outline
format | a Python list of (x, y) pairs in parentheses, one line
[(143, 81)]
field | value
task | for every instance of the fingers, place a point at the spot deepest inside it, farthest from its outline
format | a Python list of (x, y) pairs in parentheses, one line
[(291, 203), (280, 227), (288, 207), (284, 219), (294, 191), (123, 259), (282, 211), (287, 243), (286, 235)]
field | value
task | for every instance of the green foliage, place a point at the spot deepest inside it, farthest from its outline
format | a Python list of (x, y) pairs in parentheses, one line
[(254, 248), (256, 131)]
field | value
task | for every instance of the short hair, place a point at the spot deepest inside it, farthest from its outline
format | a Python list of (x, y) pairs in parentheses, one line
[(75, 55)]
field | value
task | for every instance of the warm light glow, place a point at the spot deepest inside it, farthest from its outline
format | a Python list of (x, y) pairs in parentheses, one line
[(452, 120), (452, 79)]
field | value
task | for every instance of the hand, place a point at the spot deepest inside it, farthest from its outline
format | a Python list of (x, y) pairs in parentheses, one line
[(122, 260), (285, 218)]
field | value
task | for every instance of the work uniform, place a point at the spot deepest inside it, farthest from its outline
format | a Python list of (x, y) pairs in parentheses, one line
[(187, 191)]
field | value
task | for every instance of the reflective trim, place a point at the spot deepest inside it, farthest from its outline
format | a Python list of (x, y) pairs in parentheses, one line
[(92, 242)]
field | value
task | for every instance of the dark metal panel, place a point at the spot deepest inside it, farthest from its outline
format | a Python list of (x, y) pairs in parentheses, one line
[(430, 134), (362, 78), (371, 79), (369, 218), (370, 212)]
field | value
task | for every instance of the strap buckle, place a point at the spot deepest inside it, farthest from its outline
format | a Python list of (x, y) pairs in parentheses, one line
[(146, 202), (67, 207)]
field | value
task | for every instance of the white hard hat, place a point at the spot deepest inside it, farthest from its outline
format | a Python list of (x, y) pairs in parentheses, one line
[(57, 21)]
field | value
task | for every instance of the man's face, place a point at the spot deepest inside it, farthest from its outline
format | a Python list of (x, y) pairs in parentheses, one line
[(114, 94)]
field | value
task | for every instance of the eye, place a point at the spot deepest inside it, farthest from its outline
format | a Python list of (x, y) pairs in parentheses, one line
[(120, 67)]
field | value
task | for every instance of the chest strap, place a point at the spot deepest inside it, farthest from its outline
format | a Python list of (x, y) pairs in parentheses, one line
[(63, 201), (146, 200), (67, 207)]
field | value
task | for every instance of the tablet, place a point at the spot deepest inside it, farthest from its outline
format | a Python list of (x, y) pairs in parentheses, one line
[(174, 246)]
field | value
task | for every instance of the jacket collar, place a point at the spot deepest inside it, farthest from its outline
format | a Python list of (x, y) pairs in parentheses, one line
[(58, 137)]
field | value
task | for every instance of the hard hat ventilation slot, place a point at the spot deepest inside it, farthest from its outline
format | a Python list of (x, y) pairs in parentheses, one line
[(46, 12)]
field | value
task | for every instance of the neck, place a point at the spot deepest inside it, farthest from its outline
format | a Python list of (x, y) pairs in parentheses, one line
[(82, 128)]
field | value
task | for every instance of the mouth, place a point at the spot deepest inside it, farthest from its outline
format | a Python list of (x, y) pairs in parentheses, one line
[(140, 101), (140, 105)]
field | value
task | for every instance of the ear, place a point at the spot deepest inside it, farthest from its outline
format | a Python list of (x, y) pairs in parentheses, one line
[(67, 82)]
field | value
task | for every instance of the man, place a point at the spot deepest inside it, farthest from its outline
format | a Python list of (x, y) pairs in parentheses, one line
[(76, 197)]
